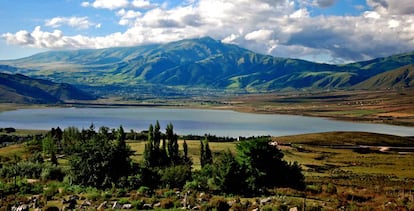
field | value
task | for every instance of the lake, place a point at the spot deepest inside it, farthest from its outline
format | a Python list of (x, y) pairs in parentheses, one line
[(187, 121)]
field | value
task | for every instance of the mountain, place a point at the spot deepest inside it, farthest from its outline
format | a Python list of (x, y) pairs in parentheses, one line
[(198, 63), (402, 77), (22, 89)]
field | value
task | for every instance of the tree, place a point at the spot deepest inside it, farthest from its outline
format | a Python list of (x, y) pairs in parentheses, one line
[(265, 168), (100, 161), (206, 156), (175, 176), (227, 174)]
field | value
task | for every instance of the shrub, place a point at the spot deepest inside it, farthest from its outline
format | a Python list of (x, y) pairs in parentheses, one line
[(218, 203), (315, 189), (51, 172), (167, 203), (176, 176), (120, 192), (93, 195), (50, 192), (107, 195), (331, 189), (123, 201), (268, 208), (144, 190)]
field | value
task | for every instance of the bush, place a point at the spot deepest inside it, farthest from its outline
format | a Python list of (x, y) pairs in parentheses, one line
[(50, 192), (175, 176), (167, 203), (144, 190), (331, 189), (315, 189), (218, 203), (93, 195), (51, 172)]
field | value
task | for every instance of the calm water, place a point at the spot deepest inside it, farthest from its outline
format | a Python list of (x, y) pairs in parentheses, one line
[(187, 121)]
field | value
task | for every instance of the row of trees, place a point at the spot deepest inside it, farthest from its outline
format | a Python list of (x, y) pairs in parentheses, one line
[(102, 159)]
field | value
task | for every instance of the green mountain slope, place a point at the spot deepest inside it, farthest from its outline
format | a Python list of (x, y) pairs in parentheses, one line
[(22, 89), (402, 77), (198, 63)]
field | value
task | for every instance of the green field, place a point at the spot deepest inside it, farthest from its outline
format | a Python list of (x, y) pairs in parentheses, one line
[(337, 172)]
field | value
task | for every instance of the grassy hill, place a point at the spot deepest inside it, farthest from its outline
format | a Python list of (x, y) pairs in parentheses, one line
[(22, 89), (199, 63), (402, 77)]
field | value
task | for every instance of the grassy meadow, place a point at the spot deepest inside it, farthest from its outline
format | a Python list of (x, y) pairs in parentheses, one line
[(338, 172)]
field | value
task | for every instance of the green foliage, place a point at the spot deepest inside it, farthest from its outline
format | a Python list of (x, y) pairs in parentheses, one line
[(206, 157), (218, 203), (163, 160), (50, 191), (228, 176), (201, 179), (315, 189), (331, 188), (99, 161), (175, 176), (51, 172), (265, 168)]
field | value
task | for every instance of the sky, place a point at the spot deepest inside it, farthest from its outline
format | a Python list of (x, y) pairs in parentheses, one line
[(330, 31)]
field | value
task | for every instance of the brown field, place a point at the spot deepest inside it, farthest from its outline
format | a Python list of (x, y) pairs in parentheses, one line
[(386, 106)]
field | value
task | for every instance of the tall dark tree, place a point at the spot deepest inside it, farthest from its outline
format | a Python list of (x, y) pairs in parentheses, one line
[(206, 157), (227, 174), (172, 146), (265, 168)]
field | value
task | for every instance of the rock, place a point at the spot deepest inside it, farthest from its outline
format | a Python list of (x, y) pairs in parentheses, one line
[(157, 204), (127, 206), (147, 206), (23, 207), (116, 206), (196, 208), (266, 200), (86, 203), (293, 209), (102, 206)]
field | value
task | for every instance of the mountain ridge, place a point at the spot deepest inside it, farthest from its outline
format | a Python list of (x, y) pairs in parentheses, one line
[(203, 63), (17, 88)]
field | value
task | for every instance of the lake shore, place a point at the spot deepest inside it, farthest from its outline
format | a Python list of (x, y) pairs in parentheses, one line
[(392, 107)]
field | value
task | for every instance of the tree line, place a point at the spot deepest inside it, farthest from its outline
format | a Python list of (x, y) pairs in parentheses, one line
[(101, 158)]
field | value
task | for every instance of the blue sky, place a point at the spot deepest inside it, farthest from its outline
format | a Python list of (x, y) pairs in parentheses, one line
[(333, 31)]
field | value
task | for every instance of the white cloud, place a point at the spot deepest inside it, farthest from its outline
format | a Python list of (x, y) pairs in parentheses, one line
[(128, 17), (75, 22), (392, 7), (141, 4), (277, 27), (259, 35), (107, 4)]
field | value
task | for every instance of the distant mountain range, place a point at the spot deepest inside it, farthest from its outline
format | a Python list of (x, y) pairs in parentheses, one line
[(207, 63), (22, 89)]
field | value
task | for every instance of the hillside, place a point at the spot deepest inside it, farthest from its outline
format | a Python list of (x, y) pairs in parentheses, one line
[(22, 89), (198, 63), (402, 77)]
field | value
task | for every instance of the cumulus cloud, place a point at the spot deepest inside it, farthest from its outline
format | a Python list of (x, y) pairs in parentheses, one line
[(277, 27), (392, 7), (75, 22), (141, 4), (107, 4)]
